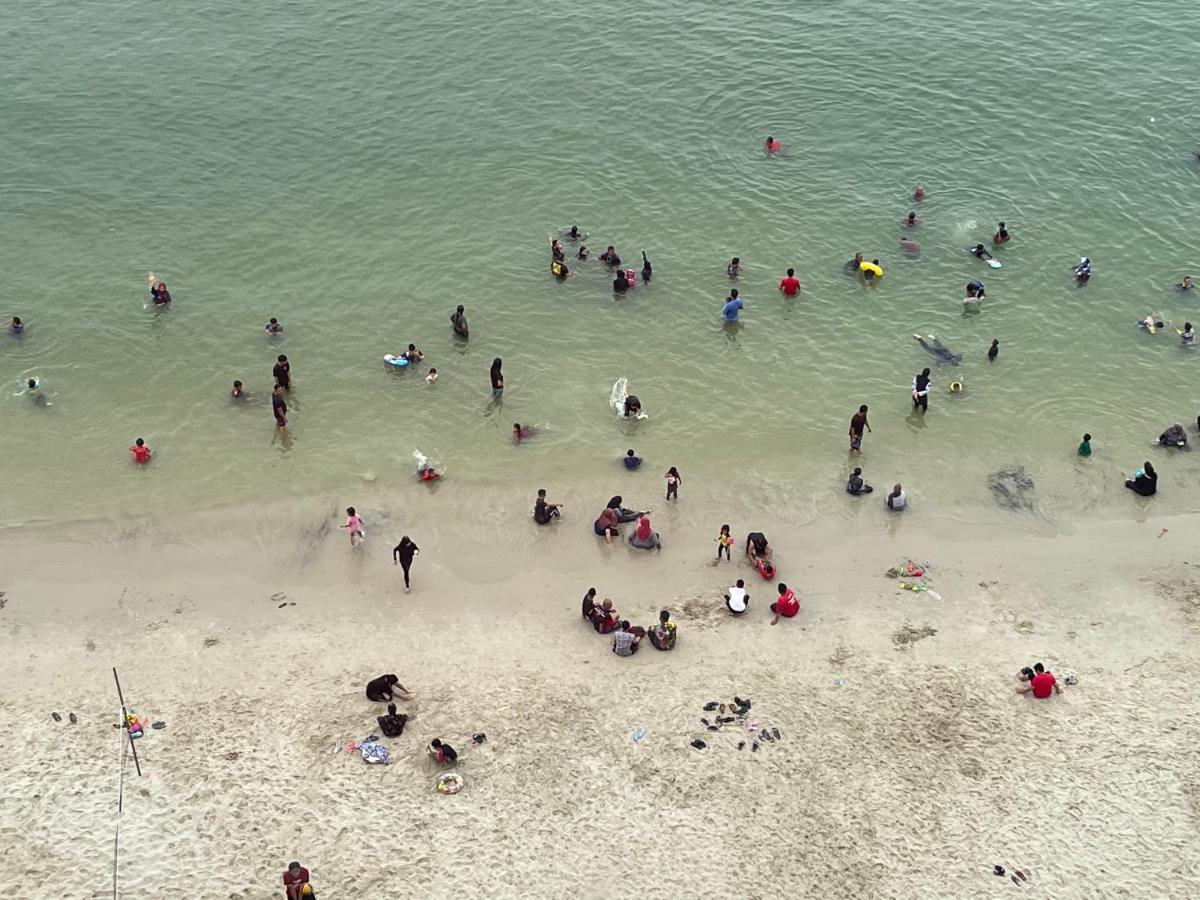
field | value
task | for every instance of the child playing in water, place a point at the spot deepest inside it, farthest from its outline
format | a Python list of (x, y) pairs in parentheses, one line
[(724, 542), (354, 523), (673, 482), (432, 376)]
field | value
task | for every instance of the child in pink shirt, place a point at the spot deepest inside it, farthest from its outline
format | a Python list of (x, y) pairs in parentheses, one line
[(354, 523)]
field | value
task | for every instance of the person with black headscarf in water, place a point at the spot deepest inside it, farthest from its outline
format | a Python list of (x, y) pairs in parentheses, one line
[(1144, 481), (381, 689), (403, 554), (647, 269)]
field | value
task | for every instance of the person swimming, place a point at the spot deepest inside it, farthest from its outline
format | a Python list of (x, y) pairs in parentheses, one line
[(908, 245), (1151, 324), (573, 234), (919, 192), (556, 251), (771, 145), (1001, 234), (935, 348), (582, 255), (1187, 336), (1083, 271), (273, 326), (621, 282), (734, 269), (559, 270), (609, 257), (37, 396), (911, 221), (975, 291), (980, 252), (852, 266), (1186, 284), (647, 269)]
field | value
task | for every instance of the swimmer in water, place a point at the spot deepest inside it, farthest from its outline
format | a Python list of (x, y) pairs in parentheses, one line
[(1083, 271), (1001, 235), (237, 393), (413, 355), (994, 350), (911, 221), (772, 146), (633, 406), (980, 252), (975, 291), (582, 255), (908, 245), (556, 251), (141, 453), (1151, 324), (559, 270), (520, 432), (647, 269), (15, 325), (38, 398), (160, 294), (609, 257), (868, 275), (919, 192), (734, 268), (853, 266), (620, 282), (1187, 336), (920, 390), (574, 234), (432, 377), (273, 327), (789, 285), (1185, 285), (459, 321), (937, 351)]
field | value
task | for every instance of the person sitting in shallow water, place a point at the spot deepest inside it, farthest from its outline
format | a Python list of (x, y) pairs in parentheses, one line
[(663, 635), (1174, 436), (855, 484), (381, 689), (392, 724), (1144, 481), (645, 537), (624, 515), (897, 499)]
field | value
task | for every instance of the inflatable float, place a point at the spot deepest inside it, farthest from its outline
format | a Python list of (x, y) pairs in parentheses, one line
[(396, 362), (620, 390)]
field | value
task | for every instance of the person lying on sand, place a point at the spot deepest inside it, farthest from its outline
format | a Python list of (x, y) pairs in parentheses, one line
[(382, 688)]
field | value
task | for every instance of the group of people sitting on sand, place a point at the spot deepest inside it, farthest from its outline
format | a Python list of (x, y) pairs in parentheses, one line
[(614, 515), (627, 638)]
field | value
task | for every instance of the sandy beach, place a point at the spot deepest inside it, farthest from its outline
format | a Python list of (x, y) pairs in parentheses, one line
[(907, 767)]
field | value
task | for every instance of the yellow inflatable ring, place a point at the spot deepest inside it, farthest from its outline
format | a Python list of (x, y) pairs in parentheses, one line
[(870, 267), (956, 387), (449, 783)]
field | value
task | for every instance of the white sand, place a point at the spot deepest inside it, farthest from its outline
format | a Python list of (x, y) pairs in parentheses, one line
[(910, 780)]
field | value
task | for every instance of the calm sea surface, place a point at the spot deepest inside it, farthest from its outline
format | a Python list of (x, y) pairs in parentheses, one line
[(358, 170)]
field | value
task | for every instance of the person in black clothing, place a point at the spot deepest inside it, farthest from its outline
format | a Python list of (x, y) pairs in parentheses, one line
[(382, 688), (589, 603), (1145, 482), (497, 377), (279, 407), (920, 390), (442, 752), (609, 257), (403, 554), (620, 282), (623, 514), (392, 724), (855, 484), (647, 269), (283, 372), (459, 321), (544, 513)]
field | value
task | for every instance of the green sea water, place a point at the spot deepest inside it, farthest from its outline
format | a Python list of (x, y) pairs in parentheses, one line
[(358, 170)]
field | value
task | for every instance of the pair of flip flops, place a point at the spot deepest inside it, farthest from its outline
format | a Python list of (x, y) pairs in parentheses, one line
[(70, 716), (1017, 875)]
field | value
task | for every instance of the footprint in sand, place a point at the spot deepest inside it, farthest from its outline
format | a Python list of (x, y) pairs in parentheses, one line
[(211, 642), (281, 600)]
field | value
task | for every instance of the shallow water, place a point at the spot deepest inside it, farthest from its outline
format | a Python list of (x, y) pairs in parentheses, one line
[(359, 171)]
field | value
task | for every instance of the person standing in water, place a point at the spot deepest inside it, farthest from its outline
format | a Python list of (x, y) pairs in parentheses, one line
[(772, 146), (647, 269), (279, 407), (497, 378), (920, 390), (1001, 236), (141, 453), (673, 482), (857, 423), (1085, 448), (919, 192), (994, 350), (403, 554), (911, 220), (734, 269), (283, 372), (733, 303), (459, 321), (789, 285)]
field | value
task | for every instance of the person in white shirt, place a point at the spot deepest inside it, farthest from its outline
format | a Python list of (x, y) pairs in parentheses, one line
[(897, 499), (737, 599)]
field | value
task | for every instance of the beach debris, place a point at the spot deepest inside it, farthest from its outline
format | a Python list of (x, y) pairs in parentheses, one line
[(998, 869), (907, 635), (1071, 678), (448, 783), (1161, 533), (478, 738), (839, 682), (72, 718), (1012, 489), (56, 717), (232, 755), (157, 726), (638, 735)]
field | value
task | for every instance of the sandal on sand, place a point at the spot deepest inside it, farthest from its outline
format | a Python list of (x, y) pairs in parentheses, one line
[(754, 747), (71, 718), (1014, 878), (741, 744), (710, 705), (766, 736), (1019, 874), (775, 732), (714, 728), (704, 722), (56, 717), (698, 744), (721, 709), (998, 870)]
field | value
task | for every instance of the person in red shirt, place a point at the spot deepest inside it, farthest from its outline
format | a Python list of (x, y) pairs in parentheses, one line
[(787, 605), (790, 286), (1041, 685), (295, 882), (141, 453)]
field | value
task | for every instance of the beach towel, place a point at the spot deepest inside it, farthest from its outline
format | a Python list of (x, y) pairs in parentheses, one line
[(374, 753)]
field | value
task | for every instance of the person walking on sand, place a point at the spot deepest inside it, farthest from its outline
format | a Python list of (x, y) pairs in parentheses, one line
[(279, 407), (724, 542), (673, 483), (857, 423), (295, 882), (403, 554), (354, 525)]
